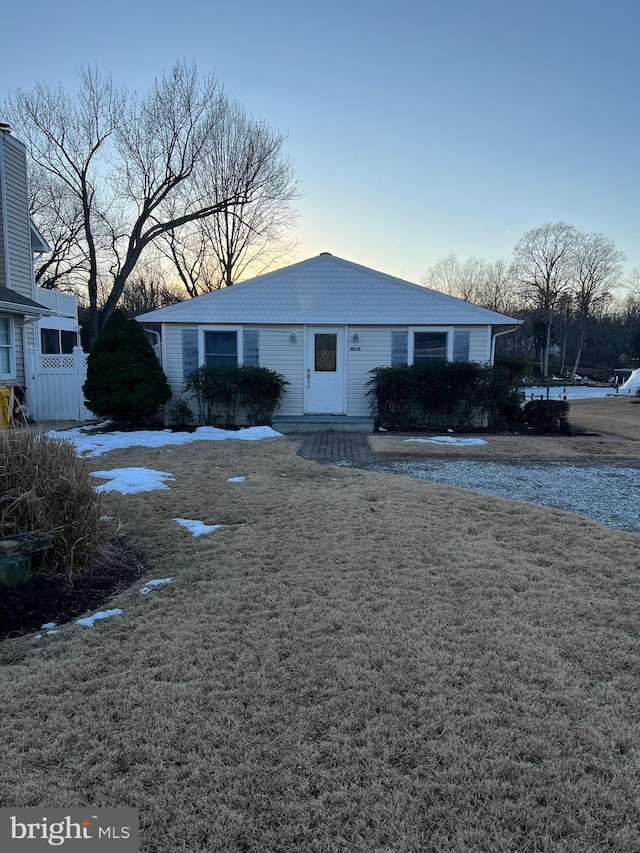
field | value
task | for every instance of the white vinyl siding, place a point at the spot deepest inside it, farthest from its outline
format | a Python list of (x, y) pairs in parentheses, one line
[(19, 267), (372, 349), (276, 351), (279, 352), (479, 342)]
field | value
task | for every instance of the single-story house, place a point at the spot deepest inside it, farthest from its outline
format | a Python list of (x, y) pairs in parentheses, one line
[(323, 323)]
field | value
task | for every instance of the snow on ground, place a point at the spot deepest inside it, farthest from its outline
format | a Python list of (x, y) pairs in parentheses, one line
[(632, 385), (99, 443), (236, 480), (130, 481), (447, 439), (88, 621), (149, 585), (197, 527)]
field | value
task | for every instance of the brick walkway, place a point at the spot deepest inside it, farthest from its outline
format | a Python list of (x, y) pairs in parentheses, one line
[(335, 446)]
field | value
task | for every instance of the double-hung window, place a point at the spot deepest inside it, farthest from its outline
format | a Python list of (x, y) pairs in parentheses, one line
[(7, 353), (429, 348), (424, 346), (220, 349)]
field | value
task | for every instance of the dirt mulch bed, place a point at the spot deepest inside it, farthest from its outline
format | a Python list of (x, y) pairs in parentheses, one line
[(26, 607)]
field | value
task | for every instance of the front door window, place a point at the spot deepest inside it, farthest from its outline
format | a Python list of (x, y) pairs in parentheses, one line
[(326, 353)]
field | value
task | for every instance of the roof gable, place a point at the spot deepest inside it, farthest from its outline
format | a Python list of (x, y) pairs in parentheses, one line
[(326, 290)]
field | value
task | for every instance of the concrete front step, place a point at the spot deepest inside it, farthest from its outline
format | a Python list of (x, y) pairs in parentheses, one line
[(322, 423)]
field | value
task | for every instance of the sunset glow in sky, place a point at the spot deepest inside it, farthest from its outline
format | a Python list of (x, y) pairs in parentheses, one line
[(417, 128)]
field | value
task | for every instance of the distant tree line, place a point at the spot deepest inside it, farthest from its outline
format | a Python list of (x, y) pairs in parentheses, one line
[(568, 287)]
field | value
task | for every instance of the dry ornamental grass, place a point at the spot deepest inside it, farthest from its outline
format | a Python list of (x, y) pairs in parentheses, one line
[(355, 662)]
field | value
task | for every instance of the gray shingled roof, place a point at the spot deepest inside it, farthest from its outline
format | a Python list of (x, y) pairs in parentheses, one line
[(327, 290), (10, 298)]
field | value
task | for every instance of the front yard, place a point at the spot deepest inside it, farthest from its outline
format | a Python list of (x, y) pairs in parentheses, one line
[(352, 662)]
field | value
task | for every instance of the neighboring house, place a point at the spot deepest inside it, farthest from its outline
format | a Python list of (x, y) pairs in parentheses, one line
[(33, 321), (324, 324)]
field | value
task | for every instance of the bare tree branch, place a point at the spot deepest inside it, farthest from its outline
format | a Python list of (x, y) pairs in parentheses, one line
[(140, 168)]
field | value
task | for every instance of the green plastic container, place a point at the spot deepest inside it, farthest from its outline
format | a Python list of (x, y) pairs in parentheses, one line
[(15, 570)]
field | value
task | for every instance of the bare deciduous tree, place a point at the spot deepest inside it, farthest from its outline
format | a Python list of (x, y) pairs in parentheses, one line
[(248, 235), (444, 275), (138, 167), (490, 285), (142, 294), (544, 259), (499, 291), (598, 267), (58, 214)]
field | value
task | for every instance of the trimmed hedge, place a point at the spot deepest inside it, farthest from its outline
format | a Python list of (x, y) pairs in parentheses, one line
[(454, 395), (220, 391), (547, 416)]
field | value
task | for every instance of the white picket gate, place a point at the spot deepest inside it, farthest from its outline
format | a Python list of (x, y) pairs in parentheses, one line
[(54, 386)]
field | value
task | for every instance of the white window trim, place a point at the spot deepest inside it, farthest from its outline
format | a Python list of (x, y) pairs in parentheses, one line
[(411, 344), (239, 336), (11, 346)]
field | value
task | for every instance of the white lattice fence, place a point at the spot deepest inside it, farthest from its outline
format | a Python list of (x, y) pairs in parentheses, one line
[(54, 387)]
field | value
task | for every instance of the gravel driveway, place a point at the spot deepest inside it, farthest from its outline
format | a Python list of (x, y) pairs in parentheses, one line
[(606, 493)]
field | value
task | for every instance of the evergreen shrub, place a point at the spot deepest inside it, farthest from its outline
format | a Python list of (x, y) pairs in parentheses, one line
[(452, 395), (220, 391), (125, 381)]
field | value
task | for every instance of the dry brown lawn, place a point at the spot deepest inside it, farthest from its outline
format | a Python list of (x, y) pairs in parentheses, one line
[(357, 662)]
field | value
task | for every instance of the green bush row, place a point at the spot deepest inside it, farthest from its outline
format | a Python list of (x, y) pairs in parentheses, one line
[(220, 391), (454, 395)]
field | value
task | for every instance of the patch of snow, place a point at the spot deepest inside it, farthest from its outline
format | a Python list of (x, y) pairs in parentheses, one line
[(38, 637), (130, 481), (149, 585), (52, 632), (632, 385), (49, 625), (88, 621), (197, 527), (236, 480), (447, 439), (99, 443)]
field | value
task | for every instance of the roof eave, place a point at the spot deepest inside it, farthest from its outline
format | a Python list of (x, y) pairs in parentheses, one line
[(34, 310)]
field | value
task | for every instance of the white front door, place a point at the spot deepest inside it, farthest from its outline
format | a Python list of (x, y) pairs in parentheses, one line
[(325, 370)]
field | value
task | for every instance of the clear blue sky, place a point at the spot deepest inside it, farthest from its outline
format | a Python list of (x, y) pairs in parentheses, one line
[(416, 128)]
